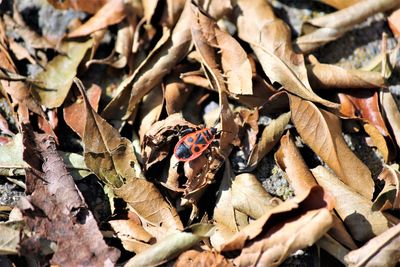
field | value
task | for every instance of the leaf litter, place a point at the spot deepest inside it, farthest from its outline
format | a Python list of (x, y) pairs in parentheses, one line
[(108, 100)]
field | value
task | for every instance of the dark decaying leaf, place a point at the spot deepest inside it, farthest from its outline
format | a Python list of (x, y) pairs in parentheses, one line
[(56, 211)]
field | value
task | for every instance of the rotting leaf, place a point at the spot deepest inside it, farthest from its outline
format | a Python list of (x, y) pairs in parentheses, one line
[(171, 246), (53, 194), (382, 250), (111, 13), (53, 84), (321, 130), (270, 40), (354, 210), (194, 258)]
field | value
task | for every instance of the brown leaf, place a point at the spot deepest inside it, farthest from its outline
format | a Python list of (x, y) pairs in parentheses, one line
[(133, 237), (339, 4), (321, 131), (394, 22), (389, 197), (353, 209), (326, 76), (382, 250), (171, 246), (55, 203), (111, 13), (166, 54), (75, 114), (235, 64), (270, 40), (176, 93), (322, 30), (391, 113), (112, 159), (289, 159), (273, 248), (90, 7), (194, 258)]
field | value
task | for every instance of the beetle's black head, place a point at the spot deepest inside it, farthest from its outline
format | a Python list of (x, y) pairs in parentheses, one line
[(213, 130)]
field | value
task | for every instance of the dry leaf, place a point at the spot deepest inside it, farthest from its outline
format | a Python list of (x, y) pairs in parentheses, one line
[(91, 6), (321, 131), (269, 37), (322, 30), (389, 197), (176, 93), (339, 4), (394, 22), (193, 258), (52, 85), (166, 54), (111, 13), (74, 113), (269, 138), (171, 246), (382, 250), (354, 210)]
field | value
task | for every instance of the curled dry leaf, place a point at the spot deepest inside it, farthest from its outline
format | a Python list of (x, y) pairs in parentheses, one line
[(389, 197), (382, 250), (354, 210), (133, 236), (53, 85), (171, 246), (53, 194), (325, 76), (166, 54), (391, 113), (111, 13), (75, 114), (176, 93), (339, 4), (194, 258), (269, 37), (289, 159), (269, 138), (235, 64), (322, 30), (250, 197), (112, 159), (321, 131)]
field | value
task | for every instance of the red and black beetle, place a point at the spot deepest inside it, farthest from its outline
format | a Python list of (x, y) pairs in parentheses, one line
[(192, 145)]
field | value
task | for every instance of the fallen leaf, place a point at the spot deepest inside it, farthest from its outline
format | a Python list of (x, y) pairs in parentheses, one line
[(176, 94), (394, 22), (250, 197), (321, 131), (111, 13), (289, 159), (90, 7), (171, 246), (269, 37), (53, 85), (194, 258), (112, 159), (166, 54), (322, 30), (389, 197), (354, 209), (9, 238), (339, 4), (54, 202), (327, 76), (382, 250), (74, 113), (391, 113)]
